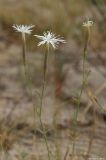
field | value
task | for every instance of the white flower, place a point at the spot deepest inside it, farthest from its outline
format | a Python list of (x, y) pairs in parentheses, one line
[(23, 28), (88, 23), (49, 38)]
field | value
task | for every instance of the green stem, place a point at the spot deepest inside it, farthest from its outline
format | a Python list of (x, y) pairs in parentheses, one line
[(44, 79), (27, 75), (41, 103), (24, 49), (81, 91)]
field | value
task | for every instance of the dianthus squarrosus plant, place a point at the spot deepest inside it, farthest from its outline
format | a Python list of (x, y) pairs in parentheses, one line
[(48, 39), (87, 26), (26, 29)]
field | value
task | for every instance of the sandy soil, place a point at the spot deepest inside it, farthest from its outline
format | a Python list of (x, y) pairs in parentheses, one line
[(16, 107)]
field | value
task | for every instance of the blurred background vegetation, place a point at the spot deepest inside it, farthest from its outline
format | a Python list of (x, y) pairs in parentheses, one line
[(63, 17)]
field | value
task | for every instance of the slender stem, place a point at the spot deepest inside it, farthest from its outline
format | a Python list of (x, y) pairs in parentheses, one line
[(24, 58), (41, 102), (27, 75), (81, 91), (24, 49), (44, 79)]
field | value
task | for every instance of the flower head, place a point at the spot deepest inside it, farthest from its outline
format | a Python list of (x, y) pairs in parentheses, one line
[(50, 38), (88, 23), (23, 28)]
